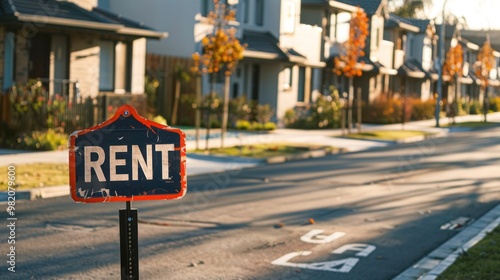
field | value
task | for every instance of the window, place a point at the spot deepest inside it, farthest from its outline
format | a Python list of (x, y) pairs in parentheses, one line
[(343, 25), (246, 10), (287, 78), (289, 20), (204, 8), (106, 66), (8, 67), (259, 12), (302, 83)]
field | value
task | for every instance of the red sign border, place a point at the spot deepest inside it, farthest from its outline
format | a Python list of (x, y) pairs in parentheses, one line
[(124, 111)]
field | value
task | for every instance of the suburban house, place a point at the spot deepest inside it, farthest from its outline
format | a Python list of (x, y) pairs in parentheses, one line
[(72, 47), (334, 19), (281, 65), (376, 64), (413, 39), (474, 40)]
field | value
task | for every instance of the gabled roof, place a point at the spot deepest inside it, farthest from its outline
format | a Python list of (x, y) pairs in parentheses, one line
[(395, 21), (479, 36), (69, 15), (329, 4), (420, 23), (264, 45), (413, 69), (369, 6), (449, 30)]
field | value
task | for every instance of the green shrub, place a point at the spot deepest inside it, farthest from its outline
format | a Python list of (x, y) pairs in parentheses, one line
[(243, 125), (269, 126), (475, 107), (160, 119), (50, 139), (257, 126), (325, 112), (495, 104)]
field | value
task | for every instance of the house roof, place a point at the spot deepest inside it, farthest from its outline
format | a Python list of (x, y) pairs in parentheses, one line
[(420, 23), (413, 69), (479, 36), (328, 3), (395, 21), (369, 6), (70, 15), (449, 30), (263, 45)]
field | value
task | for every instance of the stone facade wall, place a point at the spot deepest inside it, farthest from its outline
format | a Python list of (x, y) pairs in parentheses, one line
[(84, 63)]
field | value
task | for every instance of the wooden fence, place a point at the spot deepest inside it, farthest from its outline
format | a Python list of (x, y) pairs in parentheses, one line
[(163, 69)]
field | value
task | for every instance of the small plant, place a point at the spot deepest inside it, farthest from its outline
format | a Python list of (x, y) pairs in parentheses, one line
[(51, 139), (325, 112), (160, 119), (269, 126), (243, 125)]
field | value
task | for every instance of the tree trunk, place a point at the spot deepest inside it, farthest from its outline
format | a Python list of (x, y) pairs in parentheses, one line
[(177, 97), (209, 110), (225, 112), (197, 114), (349, 105), (485, 103)]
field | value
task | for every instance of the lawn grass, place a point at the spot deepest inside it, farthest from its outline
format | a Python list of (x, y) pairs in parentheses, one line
[(388, 135), (479, 262), (474, 124), (36, 175), (261, 150)]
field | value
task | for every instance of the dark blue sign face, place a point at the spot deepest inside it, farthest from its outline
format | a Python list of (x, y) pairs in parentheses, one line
[(127, 158)]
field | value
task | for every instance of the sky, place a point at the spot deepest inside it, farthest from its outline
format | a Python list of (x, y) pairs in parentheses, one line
[(480, 14)]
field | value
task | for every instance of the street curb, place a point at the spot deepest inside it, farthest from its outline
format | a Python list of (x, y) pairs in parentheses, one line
[(432, 265)]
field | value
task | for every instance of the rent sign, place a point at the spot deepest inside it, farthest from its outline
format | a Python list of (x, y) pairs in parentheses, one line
[(127, 158)]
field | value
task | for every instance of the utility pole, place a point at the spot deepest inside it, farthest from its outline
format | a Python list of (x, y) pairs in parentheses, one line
[(440, 68)]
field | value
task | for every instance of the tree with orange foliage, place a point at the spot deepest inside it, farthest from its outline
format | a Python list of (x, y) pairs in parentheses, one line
[(221, 52), (347, 62), (482, 67), (453, 66)]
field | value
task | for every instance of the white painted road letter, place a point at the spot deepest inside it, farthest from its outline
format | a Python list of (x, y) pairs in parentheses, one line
[(315, 236), (343, 266), (363, 249)]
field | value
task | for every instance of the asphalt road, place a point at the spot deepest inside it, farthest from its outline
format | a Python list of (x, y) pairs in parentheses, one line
[(367, 215)]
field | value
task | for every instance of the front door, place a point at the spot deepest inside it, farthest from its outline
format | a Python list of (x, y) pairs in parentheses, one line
[(39, 65)]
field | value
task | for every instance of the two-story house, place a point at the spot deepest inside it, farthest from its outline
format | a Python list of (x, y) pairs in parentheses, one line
[(413, 40), (282, 56), (282, 64), (334, 17), (474, 40)]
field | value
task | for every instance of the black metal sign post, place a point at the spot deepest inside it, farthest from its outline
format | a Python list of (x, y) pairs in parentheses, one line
[(129, 244)]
